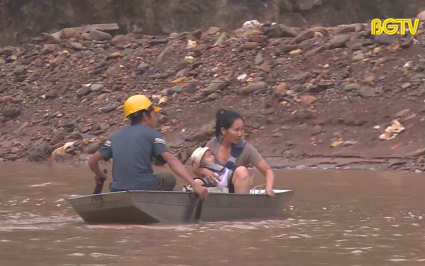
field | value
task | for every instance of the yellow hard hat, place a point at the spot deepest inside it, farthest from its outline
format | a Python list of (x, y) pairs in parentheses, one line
[(137, 103)]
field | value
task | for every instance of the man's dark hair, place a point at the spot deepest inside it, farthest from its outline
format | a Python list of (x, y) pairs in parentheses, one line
[(137, 117)]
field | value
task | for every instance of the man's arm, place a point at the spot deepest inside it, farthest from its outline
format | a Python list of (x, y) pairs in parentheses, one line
[(104, 153), (178, 167), (160, 148), (94, 166)]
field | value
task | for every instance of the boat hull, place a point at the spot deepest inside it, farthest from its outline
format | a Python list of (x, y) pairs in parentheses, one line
[(145, 207)]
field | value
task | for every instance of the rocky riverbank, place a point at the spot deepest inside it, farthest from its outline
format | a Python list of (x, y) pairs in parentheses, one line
[(305, 93), (23, 19)]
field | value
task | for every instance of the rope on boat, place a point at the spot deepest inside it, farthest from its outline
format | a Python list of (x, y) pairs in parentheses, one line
[(262, 186)]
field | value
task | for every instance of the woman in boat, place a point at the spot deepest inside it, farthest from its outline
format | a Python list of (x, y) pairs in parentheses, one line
[(233, 152)]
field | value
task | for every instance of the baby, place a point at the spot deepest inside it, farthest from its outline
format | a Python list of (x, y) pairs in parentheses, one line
[(203, 157)]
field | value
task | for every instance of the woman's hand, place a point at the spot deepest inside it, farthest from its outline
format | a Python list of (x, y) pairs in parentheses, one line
[(270, 192), (210, 176), (265, 169)]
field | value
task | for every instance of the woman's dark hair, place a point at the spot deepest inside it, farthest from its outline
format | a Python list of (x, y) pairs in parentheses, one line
[(225, 119), (137, 118)]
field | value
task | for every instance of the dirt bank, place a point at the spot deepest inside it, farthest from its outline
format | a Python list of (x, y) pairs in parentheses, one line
[(304, 93), (21, 20)]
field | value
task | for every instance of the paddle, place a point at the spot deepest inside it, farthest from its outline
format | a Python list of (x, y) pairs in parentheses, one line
[(99, 187), (198, 211)]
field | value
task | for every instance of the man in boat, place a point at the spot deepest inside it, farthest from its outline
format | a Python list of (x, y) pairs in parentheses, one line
[(132, 149)]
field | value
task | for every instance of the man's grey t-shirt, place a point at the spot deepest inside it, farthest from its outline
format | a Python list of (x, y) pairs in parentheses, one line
[(132, 149)]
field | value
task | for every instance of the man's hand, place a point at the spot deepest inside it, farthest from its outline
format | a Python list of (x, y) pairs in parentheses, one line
[(94, 167), (181, 171), (98, 177), (210, 176), (201, 191)]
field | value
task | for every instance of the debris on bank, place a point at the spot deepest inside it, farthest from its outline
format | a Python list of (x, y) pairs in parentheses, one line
[(392, 131)]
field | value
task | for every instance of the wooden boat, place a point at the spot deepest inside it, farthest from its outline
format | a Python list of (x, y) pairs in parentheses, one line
[(146, 207)]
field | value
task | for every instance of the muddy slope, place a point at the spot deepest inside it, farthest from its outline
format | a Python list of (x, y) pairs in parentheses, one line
[(319, 92)]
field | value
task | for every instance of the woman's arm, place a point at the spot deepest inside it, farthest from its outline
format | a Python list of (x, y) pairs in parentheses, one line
[(267, 172), (198, 171), (258, 161), (208, 174)]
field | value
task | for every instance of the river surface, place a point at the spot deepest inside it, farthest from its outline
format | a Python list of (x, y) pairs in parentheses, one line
[(335, 218)]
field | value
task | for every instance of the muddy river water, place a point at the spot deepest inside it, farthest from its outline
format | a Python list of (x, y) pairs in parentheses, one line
[(335, 218)]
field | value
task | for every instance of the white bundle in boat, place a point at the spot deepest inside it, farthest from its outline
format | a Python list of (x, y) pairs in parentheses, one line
[(211, 189)]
